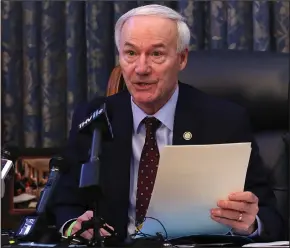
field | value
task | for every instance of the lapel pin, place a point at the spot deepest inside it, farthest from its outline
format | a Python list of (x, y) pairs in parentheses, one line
[(187, 135)]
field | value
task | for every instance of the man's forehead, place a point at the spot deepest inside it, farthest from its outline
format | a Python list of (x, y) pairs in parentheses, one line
[(151, 27)]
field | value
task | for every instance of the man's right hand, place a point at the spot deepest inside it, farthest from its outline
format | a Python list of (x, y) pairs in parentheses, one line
[(89, 233)]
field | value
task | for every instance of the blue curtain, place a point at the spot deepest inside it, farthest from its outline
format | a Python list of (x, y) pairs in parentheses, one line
[(58, 53)]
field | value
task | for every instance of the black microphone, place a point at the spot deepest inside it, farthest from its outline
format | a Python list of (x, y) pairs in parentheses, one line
[(57, 165), (99, 126)]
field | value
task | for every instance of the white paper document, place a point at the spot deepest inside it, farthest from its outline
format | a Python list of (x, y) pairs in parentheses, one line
[(189, 182), (270, 244)]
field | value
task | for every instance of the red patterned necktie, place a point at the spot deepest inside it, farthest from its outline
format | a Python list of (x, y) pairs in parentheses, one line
[(147, 168)]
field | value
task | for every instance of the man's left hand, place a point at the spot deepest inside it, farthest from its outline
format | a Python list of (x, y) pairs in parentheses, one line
[(239, 212)]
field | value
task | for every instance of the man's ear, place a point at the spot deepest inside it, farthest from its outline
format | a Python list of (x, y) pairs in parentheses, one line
[(183, 59)]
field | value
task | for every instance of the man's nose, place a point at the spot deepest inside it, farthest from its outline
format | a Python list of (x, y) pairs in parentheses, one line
[(142, 65)]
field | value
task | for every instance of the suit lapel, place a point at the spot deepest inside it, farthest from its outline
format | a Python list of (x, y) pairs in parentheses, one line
[(187, 118)]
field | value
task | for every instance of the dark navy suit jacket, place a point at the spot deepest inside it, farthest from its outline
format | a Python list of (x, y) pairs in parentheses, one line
[(210, 120)]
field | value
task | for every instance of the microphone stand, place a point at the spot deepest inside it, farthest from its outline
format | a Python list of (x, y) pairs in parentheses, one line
[(97, 240), (89, 181)]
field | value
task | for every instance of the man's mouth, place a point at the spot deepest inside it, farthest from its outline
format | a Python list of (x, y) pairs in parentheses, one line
[(143, 85)]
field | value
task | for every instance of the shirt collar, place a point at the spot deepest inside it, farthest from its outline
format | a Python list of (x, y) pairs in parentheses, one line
[(165, 115)]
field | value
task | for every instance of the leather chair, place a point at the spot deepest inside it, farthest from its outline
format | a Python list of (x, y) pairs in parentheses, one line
[(260, 82)]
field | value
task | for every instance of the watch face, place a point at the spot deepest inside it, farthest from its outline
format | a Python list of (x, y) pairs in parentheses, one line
[(26, 226)]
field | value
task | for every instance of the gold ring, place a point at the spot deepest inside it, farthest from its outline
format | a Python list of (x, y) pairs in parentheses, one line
[(240, 217)]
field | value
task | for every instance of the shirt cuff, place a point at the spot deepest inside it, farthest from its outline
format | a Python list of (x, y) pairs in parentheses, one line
[(258, 230), (65, 226), (256, 233)]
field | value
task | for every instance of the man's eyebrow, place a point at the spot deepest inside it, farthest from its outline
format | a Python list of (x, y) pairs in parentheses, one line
[(129, 44), (157, 45)]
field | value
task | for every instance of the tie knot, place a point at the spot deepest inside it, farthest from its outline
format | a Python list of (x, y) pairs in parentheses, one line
[(151, 123)]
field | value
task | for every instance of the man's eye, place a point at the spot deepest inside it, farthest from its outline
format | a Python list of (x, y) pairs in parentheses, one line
[(156, 53), (131, 53)]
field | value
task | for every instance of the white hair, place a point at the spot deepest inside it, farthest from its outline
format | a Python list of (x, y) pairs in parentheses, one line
[(183, 31)]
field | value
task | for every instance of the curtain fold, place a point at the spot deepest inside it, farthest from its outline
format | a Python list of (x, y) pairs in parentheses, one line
[(56, 54)]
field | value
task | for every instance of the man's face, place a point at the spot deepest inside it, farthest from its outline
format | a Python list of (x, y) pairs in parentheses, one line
[(149, 60)]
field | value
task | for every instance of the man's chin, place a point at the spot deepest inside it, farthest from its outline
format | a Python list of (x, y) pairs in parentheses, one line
[(143, 98), (143, 101)]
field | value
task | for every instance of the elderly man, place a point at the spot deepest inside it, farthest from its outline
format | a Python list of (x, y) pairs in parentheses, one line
[(154, 111)]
